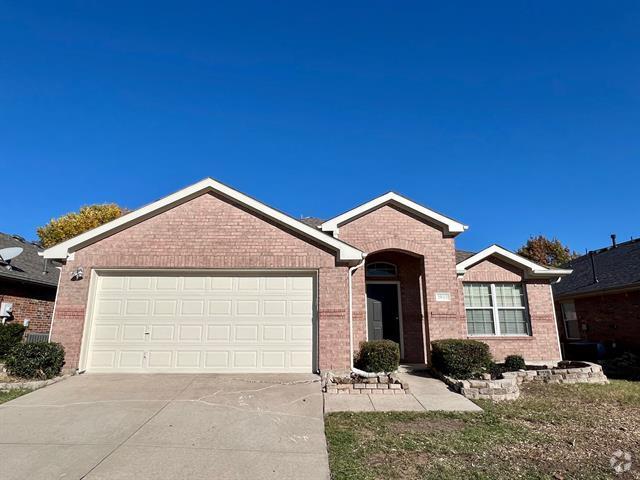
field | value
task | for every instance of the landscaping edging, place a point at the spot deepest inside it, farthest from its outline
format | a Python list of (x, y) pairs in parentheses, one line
[(30, 384), (507, 388), (379, 385), (590, 373)]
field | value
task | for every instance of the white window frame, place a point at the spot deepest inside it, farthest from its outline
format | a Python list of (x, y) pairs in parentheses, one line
[(495, 312), (565, 320)]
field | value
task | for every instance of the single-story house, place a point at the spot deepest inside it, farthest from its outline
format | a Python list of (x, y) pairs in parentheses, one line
[(209, 279), (27, 285), (600, 301)]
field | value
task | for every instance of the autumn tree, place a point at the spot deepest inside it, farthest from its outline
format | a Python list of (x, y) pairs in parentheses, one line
[(75, 223), (547, 252)]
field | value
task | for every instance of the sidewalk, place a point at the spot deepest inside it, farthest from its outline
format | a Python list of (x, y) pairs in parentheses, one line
[(426, 394)]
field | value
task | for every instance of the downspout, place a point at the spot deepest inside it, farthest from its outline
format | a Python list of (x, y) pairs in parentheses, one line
[(351, 270), (55, 302)]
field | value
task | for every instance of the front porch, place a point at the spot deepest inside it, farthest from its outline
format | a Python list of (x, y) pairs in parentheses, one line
[(395, 307)]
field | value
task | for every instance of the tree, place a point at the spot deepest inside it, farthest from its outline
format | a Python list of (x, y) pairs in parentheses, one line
[(550, 253), (75, 223)]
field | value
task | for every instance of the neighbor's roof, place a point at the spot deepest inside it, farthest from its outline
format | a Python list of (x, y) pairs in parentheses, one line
[(450, 226), (616, 268), (312, 221), (462, 255), (28, 266), (344, 251), (531, 269)]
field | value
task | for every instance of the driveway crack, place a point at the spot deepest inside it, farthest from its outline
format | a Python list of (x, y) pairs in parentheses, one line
[(138, 429)]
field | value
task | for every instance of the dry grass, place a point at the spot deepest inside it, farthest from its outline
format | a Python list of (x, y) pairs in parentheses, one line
[(551, 432)]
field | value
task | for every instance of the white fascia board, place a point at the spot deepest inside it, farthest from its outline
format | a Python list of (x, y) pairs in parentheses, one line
[(451, 226), (533, 269), (345, 251)]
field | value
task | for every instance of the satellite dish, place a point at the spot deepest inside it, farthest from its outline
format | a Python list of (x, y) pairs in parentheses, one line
[(6, 254)]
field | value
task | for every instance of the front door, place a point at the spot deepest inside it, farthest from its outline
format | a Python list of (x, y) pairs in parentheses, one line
[(383, 313)]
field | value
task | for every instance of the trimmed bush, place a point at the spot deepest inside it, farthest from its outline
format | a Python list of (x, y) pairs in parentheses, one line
[(514, 362), (10, 335), (378, 356), (461, 359), (39, 361)]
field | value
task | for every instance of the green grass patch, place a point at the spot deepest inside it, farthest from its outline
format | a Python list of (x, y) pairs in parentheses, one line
[(11, 394)]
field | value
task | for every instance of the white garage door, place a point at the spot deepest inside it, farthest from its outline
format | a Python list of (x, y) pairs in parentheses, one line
[(195, 323)]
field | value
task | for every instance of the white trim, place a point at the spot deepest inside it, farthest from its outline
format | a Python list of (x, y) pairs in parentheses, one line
[(423, 319), (532, 270), (62, 250), (451, 227), (555, 321), (350, 273), (401, 330), (55, 303)]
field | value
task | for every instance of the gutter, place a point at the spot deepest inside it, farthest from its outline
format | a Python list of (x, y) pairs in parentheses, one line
[(350, 279)]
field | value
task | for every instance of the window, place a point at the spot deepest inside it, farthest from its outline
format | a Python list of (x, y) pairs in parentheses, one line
[(571, 325), (496, 309), (381, 269)]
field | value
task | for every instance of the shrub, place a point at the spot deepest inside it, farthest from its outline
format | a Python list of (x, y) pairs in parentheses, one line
[(626, 366), (35, 360), (10, 336), (460, 359), (496, 370), (378, 356), (514, 362)]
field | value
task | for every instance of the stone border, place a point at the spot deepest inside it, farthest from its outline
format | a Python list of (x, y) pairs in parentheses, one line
[(590, 373), (507, 388), (380, 385), (30, 384), (485, 389)]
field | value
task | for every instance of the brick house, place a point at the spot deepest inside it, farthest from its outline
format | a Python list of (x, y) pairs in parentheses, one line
[(28, 284), (210, 279), (600, 301)]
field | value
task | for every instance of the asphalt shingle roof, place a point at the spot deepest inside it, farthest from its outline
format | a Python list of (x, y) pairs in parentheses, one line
[(616, 267), (28, 266), (462, 255), (312, 221)]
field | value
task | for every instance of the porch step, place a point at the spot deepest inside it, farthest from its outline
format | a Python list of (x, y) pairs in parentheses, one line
[(412, 367)]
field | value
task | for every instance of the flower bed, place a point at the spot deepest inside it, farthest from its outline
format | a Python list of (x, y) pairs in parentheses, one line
[(506, 388), (356, 385)]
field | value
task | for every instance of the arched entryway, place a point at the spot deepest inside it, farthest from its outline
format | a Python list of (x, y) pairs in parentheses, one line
[(395, 301)]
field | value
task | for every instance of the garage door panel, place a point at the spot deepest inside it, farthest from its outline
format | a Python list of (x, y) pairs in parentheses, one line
[(161, 333), (131, 359), (203, 323)]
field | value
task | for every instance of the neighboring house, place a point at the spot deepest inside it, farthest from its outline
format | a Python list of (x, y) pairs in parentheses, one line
[(28, 284), (600, 301), (210, 280)]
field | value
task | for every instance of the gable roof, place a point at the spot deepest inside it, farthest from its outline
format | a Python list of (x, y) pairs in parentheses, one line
[(532, 270), (344, 251), (450, 226), (29, 266), (616, 268)]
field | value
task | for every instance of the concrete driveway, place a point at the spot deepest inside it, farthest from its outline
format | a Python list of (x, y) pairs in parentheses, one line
[(166, 427)]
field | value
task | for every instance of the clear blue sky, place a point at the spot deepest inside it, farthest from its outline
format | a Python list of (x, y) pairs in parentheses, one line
[(516, 118)]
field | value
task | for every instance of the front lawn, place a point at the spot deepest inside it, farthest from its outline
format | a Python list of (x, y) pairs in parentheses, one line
[(11, 394), (552, 432)]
